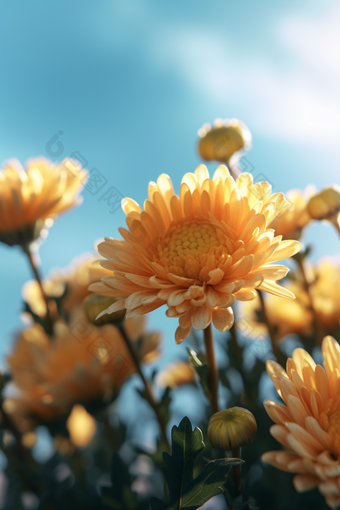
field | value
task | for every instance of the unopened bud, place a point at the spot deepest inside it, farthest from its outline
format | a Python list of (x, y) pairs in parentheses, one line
[(94, 305), (326, 204), (220, 141), (232, 428)]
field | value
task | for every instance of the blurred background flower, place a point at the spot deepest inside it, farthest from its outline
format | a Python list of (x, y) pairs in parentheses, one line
[(176, 374), (79, 363), (297, 316)]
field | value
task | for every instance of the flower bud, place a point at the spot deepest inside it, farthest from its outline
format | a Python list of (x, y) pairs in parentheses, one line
[(95, 304), (232, 428), (220, 141), (326, 204)]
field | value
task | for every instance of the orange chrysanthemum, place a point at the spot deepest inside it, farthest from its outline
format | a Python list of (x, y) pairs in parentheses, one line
[(309, 424), (296, 317), (288, 317), (31, 197), (198, 252), (81, 362)]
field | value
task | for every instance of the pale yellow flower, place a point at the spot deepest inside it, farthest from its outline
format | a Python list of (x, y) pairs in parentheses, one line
[(232, 428), (81, 362), (198, 252), (176, 374), (30, 199), (308, 425), (295, 216)]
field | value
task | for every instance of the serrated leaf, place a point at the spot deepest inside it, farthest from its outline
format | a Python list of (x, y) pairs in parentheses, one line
[(185, 491)]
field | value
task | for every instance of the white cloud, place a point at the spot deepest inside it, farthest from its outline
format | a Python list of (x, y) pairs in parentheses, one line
[(296, 101), (287, 81)]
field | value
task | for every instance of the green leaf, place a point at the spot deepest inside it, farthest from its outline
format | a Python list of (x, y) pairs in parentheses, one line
[(198, 361), (185, 491)]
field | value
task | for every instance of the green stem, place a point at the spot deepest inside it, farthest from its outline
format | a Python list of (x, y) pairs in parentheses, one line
[(213, 370), (237, 454), (234, 343), (278, 354), (148, 391), (232, 171), (26, 456), (37, 276), (307, 285), (111, 436)]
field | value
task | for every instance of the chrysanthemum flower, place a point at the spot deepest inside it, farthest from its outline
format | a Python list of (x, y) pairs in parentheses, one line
[(82, 362), (287, 316), (176, 374), (31, 198), (295, 216), (296, 317), (76, 278), (198, 252), (308, 426)]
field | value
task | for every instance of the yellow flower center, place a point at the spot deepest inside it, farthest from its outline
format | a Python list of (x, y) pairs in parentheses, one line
[(185, 250), (330, 422)]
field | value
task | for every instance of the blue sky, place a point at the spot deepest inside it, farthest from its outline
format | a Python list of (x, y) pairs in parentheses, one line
[(129, 83)]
